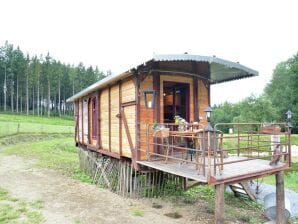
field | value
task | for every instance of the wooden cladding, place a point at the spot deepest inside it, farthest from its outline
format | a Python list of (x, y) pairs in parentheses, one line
[(203, 99), (146, 117), (128, 91), (113, 120), (99, 124), (104, 119)]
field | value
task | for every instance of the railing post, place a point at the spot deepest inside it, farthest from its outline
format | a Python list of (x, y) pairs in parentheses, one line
[(209, 154), (289, 147), (238, 132), (214, 141), (147, 143)]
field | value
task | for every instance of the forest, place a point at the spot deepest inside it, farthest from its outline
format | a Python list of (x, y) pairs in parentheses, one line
[(40, 85), (279, 96)]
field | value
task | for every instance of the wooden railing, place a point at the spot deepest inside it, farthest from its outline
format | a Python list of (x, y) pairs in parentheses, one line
[(206, 151)]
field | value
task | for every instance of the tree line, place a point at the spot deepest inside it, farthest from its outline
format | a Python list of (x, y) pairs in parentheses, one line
[(40, 85), (279, 95)]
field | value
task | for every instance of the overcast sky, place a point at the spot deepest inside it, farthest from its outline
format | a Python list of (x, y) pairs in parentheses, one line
[(118, 35)]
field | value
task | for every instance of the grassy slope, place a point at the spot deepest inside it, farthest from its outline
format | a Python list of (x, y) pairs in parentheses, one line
[(66, 121), (53, 151), (11, 124)]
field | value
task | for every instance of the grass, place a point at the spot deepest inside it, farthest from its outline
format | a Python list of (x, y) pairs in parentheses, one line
[(12, 128), (8, 213), (38, 204), (11, 124), (137, 212), (64, 121), (291, 180), (13, 210), (23, 138), (232, 143), (294, 139), (58, 153), (239, 208), (54, 151)]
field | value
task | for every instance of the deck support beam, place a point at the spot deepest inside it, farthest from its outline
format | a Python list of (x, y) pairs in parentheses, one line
[(280, 198), (219, 203)]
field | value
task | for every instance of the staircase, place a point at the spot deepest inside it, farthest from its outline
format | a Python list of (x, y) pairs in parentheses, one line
[(243, 189)]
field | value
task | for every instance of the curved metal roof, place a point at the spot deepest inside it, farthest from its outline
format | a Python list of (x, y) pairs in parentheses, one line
[(220, 71)]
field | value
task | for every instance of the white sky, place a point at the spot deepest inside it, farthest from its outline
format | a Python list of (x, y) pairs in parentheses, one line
[(119, 35)]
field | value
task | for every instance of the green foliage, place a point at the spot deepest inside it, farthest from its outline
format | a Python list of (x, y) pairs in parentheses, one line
[(43, 82), (279, 96), (203, 192), (283, 87), (251, 109)]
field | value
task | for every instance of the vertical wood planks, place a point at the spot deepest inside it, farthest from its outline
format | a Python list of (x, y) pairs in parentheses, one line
[(114, 125), (203, 98), (85, 121), (104, 119), (146, 116)]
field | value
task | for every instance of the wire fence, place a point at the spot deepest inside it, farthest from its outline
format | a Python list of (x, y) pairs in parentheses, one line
[(11, 128)]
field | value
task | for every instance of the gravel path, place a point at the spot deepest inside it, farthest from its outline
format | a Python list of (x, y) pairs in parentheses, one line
[(67, 200)]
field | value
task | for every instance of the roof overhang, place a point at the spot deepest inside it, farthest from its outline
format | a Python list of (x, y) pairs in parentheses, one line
[(220, 70), (99, 84)]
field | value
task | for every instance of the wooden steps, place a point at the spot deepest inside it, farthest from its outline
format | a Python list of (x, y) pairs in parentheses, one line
[(243, 189)]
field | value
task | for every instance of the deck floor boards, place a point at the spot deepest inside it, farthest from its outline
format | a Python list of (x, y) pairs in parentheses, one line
[(248, 168)]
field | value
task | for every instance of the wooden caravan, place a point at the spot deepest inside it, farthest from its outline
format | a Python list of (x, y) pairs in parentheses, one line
[(153, 116), (120, 117), (111, 115)]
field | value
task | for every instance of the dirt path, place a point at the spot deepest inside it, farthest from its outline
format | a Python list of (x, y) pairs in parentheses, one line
[(69, 201)]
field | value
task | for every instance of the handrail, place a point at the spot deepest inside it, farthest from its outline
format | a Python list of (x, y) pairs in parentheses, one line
[(209, 148)]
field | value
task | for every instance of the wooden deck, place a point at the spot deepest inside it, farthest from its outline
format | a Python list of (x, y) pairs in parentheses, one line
[(231, 173)]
